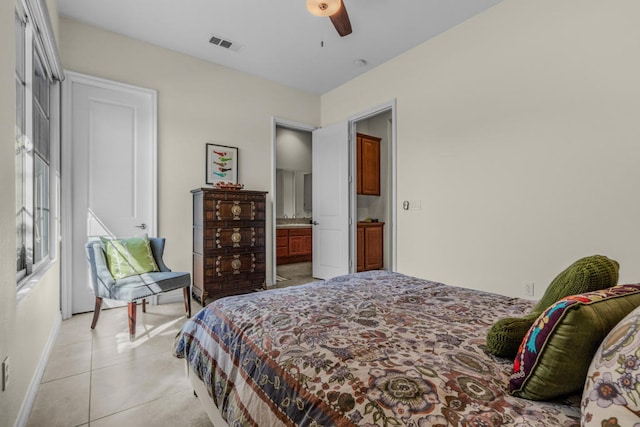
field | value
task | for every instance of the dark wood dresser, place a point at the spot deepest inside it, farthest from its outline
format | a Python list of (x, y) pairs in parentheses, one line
[(228, 242)]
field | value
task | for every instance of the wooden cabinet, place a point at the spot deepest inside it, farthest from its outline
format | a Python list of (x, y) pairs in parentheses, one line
[(370, 244), (359, 248), (368, 165), (293, 245), (282, 245), (228, 242)]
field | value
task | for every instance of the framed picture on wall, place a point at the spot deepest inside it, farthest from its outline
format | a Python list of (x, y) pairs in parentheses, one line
[(222, 164)]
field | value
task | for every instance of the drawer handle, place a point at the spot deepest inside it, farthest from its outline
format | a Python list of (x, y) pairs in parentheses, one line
[(236, 210), (236, 237), (236, 264)]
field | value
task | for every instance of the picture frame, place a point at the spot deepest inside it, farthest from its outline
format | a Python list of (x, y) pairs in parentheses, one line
[(221, 164)]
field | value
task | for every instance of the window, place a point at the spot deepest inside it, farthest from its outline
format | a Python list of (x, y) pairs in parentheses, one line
[(41, 137), (20, 147), (33, 144)]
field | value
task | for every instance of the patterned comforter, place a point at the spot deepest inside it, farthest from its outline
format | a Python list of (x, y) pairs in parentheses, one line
[(367, 349)]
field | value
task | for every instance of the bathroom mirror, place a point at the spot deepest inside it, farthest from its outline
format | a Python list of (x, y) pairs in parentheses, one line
[(293, 193)]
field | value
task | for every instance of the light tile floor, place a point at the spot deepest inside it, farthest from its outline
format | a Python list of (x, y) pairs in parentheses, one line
[(296, 274), (100, 378)]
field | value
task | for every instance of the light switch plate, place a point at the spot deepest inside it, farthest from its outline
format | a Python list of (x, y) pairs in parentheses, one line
[(415, 205)]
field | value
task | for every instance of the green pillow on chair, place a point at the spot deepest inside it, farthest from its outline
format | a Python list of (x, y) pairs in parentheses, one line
[(128, 257), (585, 275)]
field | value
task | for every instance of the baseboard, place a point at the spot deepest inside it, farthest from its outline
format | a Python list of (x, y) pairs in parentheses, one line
[(30, 398)]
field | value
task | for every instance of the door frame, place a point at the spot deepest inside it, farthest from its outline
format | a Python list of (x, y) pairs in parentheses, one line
[(289, 124), (353, 121), (66, 184)]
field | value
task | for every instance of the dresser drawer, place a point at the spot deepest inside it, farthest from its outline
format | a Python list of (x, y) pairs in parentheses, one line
[(236, 287), (236, 237), (235, 210), (235, 264)]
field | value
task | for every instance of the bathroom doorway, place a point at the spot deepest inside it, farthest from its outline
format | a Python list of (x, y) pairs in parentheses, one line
[(293, 205), (372, 213)]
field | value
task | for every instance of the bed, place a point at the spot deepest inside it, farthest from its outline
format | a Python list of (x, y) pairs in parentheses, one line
[(369, 349)]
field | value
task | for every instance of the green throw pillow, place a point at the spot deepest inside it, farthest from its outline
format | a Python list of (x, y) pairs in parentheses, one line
[(556, 352), (128, 257), (585, 275)]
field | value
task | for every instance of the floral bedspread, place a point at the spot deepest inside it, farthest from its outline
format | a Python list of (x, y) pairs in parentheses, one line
[(367, 349)]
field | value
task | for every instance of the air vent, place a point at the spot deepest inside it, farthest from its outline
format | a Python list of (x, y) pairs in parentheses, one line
[(224, 43)]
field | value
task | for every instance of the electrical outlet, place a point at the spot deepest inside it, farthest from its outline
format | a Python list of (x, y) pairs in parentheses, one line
[(5, 373), (529, 289)]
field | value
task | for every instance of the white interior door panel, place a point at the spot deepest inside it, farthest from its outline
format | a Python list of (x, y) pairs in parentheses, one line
[(330, 146), (113, 156)]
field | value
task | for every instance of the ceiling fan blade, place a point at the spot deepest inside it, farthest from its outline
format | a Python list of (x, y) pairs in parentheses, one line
[(340, 20)]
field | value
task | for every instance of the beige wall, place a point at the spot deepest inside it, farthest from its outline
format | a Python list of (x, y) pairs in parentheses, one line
[(7, 192), (27, 325), (293, 149), (519, 132), (198, 102)]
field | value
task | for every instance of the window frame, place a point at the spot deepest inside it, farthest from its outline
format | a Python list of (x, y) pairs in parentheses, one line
[(38, 51), (21, 128)]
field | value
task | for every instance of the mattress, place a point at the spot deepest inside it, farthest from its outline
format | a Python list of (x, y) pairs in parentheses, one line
[(373, 349)]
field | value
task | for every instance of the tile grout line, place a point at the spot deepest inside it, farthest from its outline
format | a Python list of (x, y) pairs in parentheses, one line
[(91, 372), (96, 355), (140, 404)]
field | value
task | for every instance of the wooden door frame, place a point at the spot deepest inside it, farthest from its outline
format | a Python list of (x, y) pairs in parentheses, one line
[(66, 184)]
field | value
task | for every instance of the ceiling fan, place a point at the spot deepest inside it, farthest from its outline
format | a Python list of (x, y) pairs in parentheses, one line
[(335, 10)]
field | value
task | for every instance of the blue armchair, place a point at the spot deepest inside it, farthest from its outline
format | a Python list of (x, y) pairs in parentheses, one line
[(137, 287)]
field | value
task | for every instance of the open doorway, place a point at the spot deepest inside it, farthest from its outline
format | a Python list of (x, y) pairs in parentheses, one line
[(293, 206), (374, 192), (337, 208)]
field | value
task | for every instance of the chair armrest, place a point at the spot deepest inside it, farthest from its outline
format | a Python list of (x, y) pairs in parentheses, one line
[(100, 274)]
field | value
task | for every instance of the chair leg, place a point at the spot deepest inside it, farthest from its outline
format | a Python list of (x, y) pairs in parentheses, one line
[(96, 312), (187, 300), (144, 305), (132, 320)]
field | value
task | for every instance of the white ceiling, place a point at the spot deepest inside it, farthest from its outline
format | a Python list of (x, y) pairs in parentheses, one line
[(281, 40)]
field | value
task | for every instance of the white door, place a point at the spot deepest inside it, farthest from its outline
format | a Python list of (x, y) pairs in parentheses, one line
[(330, 164), (113, 160)]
